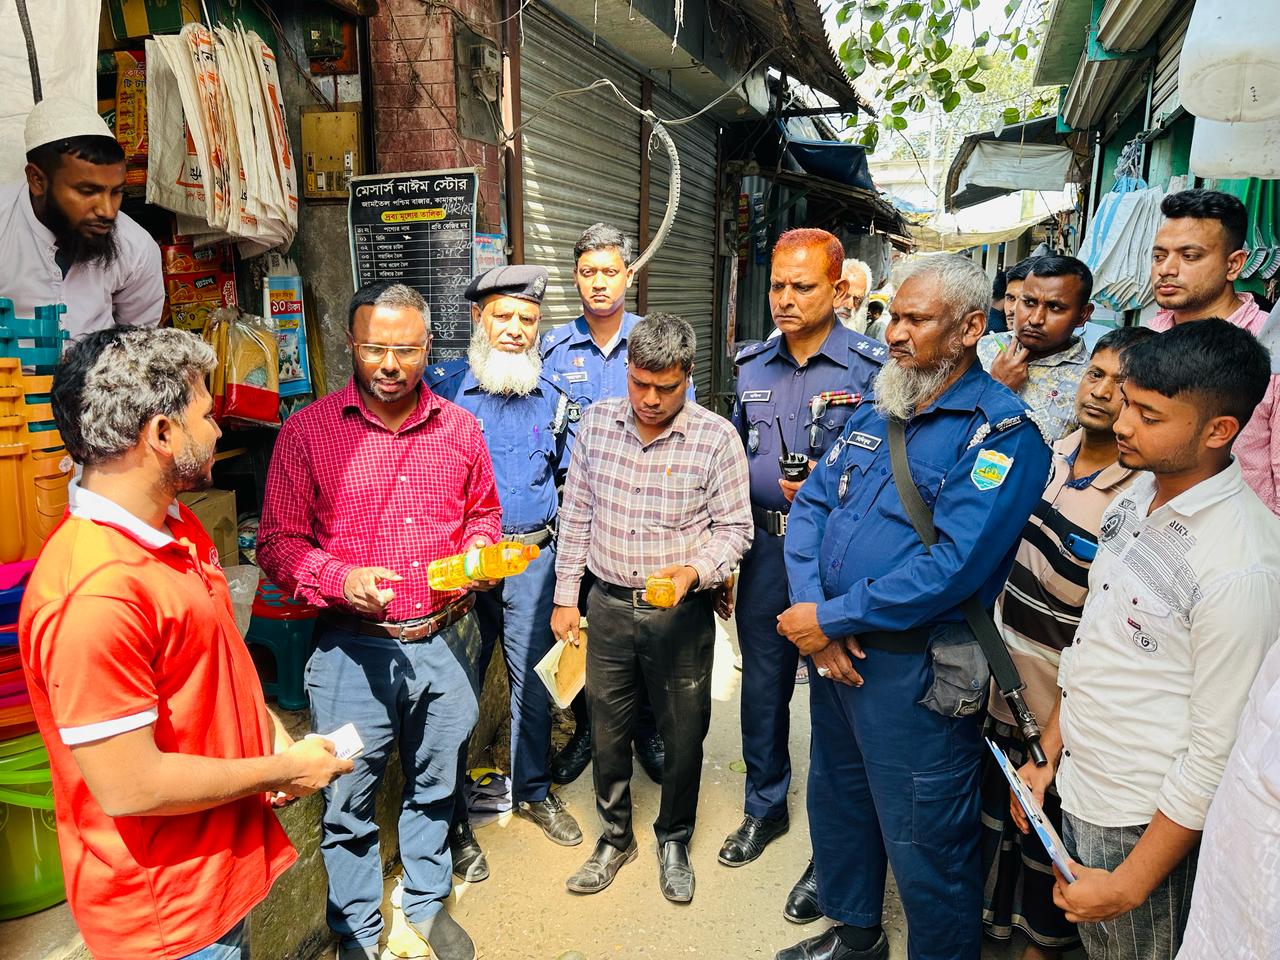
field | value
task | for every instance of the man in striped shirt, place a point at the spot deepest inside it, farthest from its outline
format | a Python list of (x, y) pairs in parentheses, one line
[(657, 486)]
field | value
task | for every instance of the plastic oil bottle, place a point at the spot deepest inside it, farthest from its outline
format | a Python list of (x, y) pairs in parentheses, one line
[(660, 591), (493, 562)]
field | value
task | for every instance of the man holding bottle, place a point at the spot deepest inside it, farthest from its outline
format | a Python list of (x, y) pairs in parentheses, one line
[(367, 486)]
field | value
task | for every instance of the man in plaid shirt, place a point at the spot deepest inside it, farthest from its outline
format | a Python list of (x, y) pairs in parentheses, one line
[(657, 486)]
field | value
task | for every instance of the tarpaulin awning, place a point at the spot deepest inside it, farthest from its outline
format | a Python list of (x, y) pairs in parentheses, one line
[(997, 221), (1023, 156), (832, 160)]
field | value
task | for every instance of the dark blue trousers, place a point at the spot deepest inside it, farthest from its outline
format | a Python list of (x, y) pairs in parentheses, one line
[(768, 677), (518, 611), (893, 783)]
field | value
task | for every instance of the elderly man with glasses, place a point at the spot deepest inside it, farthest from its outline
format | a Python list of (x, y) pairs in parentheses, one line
[(367, 486)]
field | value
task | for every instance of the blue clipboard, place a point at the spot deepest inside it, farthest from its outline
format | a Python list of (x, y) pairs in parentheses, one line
[(1035, 815)]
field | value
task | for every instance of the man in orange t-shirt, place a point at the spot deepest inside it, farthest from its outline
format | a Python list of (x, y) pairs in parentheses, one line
[(165, 760)]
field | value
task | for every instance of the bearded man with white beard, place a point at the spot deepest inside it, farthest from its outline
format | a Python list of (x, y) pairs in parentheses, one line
[(523, 416), (897, 679)]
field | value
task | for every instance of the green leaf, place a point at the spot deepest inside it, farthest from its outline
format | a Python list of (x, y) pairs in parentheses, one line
[(898, 123), (1011, 115), (940, 50), (968, 71), (951, 101), (917, 103), (904, 36), (938, 5), (880, 57), (1011, 7), (904, 61), (982, 39), (876, 32), (875, 11), (940, 76), (912, 10), (969, 4), (1020, 51), (843, 14), (894, 88), (898, 106), (974, 86)]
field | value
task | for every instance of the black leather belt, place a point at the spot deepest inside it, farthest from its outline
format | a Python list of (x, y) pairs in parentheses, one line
[(538, 538), (896, 641), (772, 522), (406, 631)]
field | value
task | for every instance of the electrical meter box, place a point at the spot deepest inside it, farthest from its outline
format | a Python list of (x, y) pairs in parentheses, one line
[(332, 151)]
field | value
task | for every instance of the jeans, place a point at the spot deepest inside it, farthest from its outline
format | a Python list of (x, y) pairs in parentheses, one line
[(668, 653), (420, 697), (233, 945)]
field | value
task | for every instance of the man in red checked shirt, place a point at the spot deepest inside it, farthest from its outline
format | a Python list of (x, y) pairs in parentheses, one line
[(367, 486)]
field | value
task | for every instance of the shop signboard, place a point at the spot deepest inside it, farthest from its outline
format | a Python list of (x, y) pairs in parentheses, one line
[(419, 229)]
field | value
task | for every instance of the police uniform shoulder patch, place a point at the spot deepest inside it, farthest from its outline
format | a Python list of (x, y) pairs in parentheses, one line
[(751, 350), (1007, 423), (978, 436), (871, 349), (990, 469)]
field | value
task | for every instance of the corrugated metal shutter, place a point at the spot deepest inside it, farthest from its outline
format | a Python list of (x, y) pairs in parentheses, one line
[(581, 153), (1164, 91), (682, 273)]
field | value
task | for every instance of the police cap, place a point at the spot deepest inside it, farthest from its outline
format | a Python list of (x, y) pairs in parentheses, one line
[(522, 281)]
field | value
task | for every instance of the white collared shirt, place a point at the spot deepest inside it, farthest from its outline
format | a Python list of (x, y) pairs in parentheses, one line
[(129, 290), (1182, 608)]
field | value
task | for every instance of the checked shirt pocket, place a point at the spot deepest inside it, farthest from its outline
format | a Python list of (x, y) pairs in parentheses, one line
[(683, 495)]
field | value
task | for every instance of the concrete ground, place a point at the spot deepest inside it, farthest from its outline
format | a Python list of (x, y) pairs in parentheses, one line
[(522, 912)]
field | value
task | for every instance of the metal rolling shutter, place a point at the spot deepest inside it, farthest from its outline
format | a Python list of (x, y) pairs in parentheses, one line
[(581, 153), (1164, 90), (682, 272)]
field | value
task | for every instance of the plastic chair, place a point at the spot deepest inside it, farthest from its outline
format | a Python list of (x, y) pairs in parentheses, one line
[(36, 342), (284, 627)]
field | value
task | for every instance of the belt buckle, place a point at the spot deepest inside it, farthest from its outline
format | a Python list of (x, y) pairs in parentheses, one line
[(782, 523), (637, 598)]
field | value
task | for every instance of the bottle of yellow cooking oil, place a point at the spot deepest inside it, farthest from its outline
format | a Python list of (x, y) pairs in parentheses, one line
[(660, 591), (505, 559)]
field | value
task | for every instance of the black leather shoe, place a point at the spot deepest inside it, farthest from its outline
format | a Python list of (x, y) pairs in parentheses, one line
[(469, 862), (827, 946), (556, 822), (802, 901), (447, 940), (749, 840), (652, 756), (568, 764), (675, 875), (600, 869)]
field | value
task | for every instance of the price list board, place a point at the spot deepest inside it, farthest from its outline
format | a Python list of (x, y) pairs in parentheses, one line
[(419, 229)]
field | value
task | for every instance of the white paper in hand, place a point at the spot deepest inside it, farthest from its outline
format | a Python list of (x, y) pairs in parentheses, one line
[(1035, 815), (347, 744)]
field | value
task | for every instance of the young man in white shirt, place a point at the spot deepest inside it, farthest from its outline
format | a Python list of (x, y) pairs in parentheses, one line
[(1184, 596)]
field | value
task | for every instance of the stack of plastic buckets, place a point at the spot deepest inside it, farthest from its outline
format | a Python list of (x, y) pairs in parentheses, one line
[(30, 870)]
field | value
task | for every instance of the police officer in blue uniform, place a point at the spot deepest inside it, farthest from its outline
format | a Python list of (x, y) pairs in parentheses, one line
[(794, 393), (897, 680), (589, 358), (523, 415)]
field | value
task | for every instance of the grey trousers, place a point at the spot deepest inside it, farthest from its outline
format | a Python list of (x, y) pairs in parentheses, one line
[(1152, 931)]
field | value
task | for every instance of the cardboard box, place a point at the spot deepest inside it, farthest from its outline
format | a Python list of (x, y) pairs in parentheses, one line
[(216, 510)]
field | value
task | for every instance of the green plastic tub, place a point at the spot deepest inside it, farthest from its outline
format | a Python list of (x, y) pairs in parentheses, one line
[(30, 869)]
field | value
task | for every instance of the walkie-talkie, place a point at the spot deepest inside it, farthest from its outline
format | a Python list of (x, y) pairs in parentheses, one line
[(795, 466)]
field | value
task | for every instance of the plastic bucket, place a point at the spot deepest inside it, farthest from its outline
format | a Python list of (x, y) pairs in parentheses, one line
[(30, 868)]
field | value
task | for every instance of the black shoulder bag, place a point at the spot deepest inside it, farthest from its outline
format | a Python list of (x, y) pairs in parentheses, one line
[(980, 623)]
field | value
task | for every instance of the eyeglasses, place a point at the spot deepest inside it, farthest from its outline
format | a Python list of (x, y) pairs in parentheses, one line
[(373, 352)]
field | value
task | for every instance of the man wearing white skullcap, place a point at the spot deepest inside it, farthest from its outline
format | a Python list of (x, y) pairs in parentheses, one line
[(63, 238)]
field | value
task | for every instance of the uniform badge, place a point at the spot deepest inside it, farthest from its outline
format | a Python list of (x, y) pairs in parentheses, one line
[(573, 412), (835, 451), (753, 438), (990, 469), (756, 396), (438, 371), (561, 418), (1008, 422), (579, 361), (979, 435), (843, 486), (539, 287)]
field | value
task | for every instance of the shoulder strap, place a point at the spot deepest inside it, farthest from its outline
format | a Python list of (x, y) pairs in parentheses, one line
[(921, 517)]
